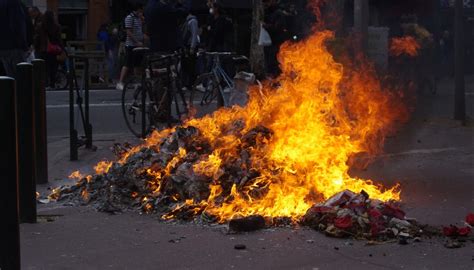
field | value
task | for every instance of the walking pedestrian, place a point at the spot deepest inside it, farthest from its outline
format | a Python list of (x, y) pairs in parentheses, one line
[(48, 45), (191, 40), (14, 32), (113, 52), (135, 38)]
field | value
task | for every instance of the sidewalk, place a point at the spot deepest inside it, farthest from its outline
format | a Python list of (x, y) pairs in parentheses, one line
[(432, 158)]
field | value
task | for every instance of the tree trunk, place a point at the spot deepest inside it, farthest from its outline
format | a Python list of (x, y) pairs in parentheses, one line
[(257, 56)]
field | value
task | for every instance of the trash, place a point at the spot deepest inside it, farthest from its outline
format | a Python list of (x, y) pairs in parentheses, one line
[(452, 244), (453, 231), (240, 247), (247, 224), (470, 219)]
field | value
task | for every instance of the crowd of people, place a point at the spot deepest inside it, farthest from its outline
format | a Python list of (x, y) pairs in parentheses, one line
[(27, 33), (168, 26)]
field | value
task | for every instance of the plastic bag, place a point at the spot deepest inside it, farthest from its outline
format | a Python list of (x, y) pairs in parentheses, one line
[(264, 38)]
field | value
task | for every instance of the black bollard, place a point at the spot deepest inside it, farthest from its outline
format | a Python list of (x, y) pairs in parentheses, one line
[(41, 141), (26, 139), (73, 140), (9, 225), (87, 124)]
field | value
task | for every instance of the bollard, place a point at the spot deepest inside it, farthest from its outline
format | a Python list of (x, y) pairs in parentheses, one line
[(26, 151), (87, 124), (9, 226), (39, 104), (73, 141)]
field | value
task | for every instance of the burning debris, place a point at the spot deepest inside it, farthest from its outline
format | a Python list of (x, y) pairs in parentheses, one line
[(288, 150)]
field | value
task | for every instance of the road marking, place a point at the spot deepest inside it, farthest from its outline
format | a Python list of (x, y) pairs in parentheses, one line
[(64, 106), (90, 91)]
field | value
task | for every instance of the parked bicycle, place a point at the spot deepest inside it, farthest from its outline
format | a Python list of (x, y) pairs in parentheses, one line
[(215, 86), (147, 100)]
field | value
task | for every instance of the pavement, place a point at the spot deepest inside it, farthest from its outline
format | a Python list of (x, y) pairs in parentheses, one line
[(432, 158)]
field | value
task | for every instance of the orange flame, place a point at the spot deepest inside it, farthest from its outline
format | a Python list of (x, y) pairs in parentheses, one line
[(103, 167), (404, 46), (322, 115)]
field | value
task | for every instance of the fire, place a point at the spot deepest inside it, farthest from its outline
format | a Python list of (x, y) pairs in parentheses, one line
[(76, 175), (300, 141), (404, 46), (103, 167)]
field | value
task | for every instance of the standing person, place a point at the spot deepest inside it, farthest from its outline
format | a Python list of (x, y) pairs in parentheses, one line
[(135, 38), (162, 17), (35, 15), (112, 56), (191, 40), (14, 31), (220, 30), (48, 45), (276, 25)]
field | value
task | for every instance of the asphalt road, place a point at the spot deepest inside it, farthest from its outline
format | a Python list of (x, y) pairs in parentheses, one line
[(106, 114)]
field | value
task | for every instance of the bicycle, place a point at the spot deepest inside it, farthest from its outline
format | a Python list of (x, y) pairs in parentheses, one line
[(147, 101), (216, 84)]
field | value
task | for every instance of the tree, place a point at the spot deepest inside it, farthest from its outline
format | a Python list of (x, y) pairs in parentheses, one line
[(257, 56)]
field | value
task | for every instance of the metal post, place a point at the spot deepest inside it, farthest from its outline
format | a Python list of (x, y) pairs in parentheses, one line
[(361, 22), (87, 124), (73, 142), (143, 107), (9, 226), (26, 139), (459, 92), (41, 142)]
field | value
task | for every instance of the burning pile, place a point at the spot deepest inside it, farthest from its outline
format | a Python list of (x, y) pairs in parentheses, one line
[(288, 150)]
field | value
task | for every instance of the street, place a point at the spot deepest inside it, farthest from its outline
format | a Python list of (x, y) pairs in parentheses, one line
[(432, 158)]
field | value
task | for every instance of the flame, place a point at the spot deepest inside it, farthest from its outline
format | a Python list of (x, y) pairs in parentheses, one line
[(322, 115), (103, 167), (404, 46), (76, 175)]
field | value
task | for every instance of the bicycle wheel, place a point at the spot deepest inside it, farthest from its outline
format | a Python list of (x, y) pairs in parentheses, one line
[(206, 89), (133, 110)]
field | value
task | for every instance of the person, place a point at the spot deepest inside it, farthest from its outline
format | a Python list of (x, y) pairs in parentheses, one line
[(14, 30), (113, 52), (35, 15), (276, 25), (191, 40), (220, 30), (47, 43), (161, 18), (135, 38)]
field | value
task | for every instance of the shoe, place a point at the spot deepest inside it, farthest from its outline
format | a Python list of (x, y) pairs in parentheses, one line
[(119, 86), (200, 88)]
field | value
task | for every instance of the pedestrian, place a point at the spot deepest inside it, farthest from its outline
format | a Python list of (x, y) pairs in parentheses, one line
[(276, 25), (220, 30), (35, 15), (14, 30), (135, 38), (48, 45), (112, 55), (191, 40), (162, 23)]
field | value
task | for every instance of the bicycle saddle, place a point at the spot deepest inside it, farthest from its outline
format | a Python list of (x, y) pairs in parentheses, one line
[(240, 60)]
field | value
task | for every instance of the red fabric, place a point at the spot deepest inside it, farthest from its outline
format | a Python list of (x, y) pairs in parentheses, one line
[(470, 219), (343, 222), (464, 231)]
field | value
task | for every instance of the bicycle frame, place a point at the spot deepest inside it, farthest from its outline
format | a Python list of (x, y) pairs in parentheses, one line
[(221, 76)]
